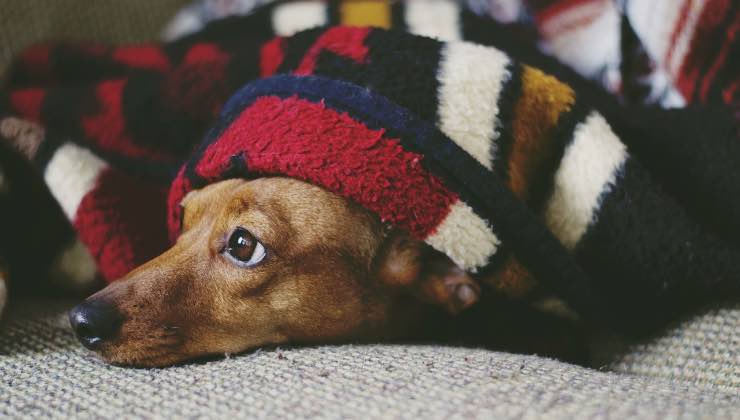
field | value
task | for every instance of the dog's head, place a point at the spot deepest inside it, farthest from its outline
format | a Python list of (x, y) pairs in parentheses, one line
[(267, 261)]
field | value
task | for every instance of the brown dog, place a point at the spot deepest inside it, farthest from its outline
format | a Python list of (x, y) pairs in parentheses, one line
[(268, 261)]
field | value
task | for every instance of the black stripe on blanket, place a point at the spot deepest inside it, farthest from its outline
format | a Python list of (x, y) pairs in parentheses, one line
[(408, 77), (510, 95), (694, 154), (5, 107), (333, 15), (542, 186), (647, 257), (234, 34), (70, 64), (46, 151), (63, 106), (154, 123), (244, 65), (398, 16), (296, 47), (417, 88)]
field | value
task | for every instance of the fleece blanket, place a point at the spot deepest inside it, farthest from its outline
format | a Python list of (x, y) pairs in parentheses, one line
[(627, 214), (667, 52)]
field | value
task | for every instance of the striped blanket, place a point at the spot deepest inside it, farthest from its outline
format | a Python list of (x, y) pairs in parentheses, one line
[(627, 214), (667, 52)]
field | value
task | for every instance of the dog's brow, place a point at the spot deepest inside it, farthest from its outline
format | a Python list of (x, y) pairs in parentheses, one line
[(240, 204)]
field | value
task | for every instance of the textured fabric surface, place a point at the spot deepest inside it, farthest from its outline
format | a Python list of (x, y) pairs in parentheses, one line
[(29, 21), (45, 373), (668, 52), (653, 52), (703, 349)]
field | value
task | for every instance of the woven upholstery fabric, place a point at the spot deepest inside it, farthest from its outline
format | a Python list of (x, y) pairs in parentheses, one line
[(45, 373), (703, 349), (29, 21)]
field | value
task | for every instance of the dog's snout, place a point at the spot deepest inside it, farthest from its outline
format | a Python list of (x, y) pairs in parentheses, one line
[(94, 322)]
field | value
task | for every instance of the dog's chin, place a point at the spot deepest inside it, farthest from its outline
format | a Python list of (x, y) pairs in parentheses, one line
[(136, 359), (151, 351), (157, 354), (142, 359)]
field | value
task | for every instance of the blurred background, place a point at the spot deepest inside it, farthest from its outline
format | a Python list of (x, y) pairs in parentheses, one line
[(24, 22)]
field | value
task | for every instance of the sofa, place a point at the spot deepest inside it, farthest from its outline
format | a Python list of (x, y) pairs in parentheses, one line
[(690, 369)]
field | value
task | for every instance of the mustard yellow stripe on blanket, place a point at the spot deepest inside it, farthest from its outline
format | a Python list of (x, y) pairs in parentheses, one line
[(542, 101), (375, 13)]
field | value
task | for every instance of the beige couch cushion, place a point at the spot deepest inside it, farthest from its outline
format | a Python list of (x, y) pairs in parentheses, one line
[(45, 373), (702, 349)]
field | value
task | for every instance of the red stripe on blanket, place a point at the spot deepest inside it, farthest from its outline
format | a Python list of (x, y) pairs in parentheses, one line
[(728, 95), (345, 41), (27, 103), (311, 142), (107, 128), (36, 63), (122, 223), (205, 52), (558, 8), (142, 57), (687, 4), (705, 35), (271, 56), (732, 37)]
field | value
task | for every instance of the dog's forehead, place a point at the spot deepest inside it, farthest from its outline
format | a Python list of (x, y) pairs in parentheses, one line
[(210, 193), (297, 200), (286, 203)]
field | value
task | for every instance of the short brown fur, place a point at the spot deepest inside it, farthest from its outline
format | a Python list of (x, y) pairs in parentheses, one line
[(332, 272)]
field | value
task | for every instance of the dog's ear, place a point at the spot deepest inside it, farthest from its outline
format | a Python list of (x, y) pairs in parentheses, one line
[(188, 197), (425, 273), (190, 212), (399, 260)]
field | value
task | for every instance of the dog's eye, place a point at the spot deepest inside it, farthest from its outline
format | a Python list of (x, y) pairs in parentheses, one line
[(243, 249)]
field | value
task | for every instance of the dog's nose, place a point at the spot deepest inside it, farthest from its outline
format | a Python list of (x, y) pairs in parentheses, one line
[(94, 322)]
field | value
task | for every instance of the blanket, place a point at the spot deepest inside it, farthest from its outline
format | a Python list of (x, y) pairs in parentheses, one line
[(627, 214), (667, 52)]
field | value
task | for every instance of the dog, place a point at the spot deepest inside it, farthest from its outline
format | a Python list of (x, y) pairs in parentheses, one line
[(268, 261)]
